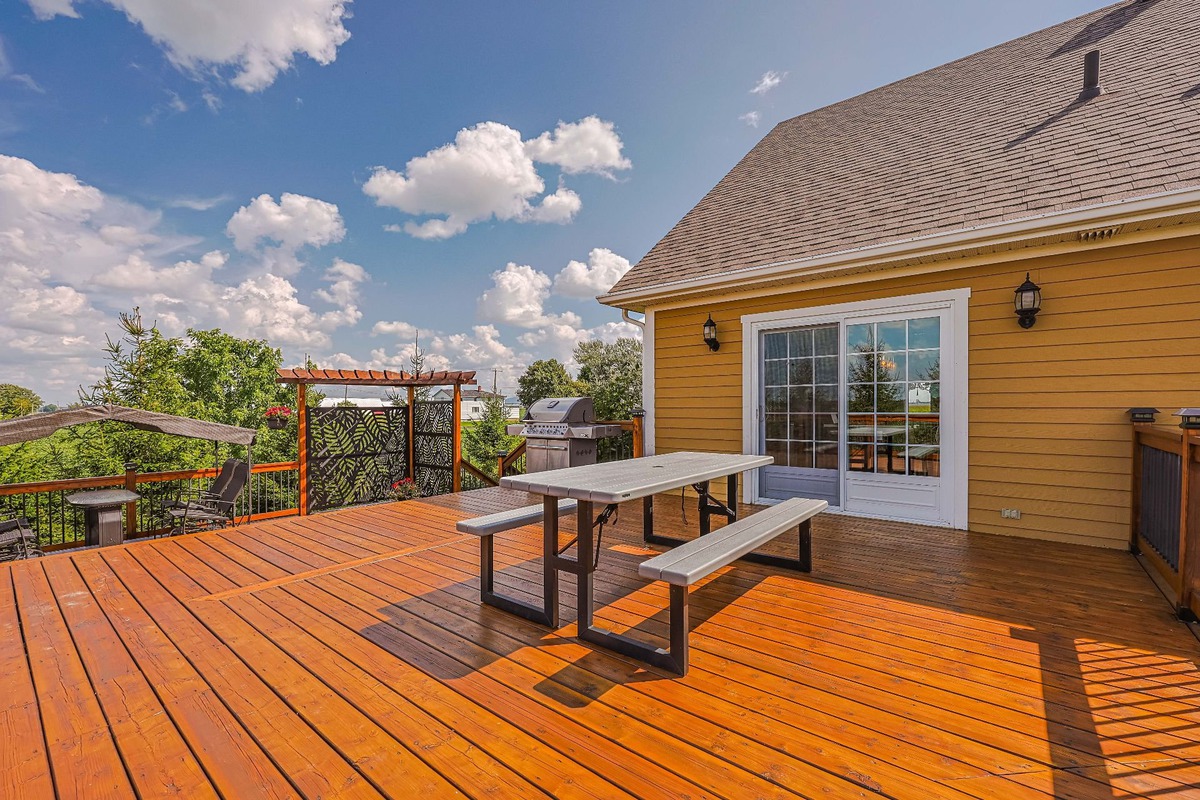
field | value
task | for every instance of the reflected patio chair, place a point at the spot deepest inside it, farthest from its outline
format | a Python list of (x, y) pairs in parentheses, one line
[(18, 540), (212, 509)]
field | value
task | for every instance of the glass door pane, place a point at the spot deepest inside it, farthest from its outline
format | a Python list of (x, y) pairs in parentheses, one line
[(893, 403), (800, 417)]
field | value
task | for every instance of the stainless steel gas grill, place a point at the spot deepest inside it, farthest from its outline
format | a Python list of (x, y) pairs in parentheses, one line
[(561, 432)]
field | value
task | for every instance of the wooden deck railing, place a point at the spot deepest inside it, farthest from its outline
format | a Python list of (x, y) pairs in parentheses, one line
[(274, 492), (1165, 511)]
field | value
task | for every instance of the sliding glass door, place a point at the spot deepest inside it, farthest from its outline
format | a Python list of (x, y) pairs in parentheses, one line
[(851, 410)]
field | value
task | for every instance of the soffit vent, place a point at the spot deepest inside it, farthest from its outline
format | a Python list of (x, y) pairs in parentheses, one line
[(1099, 234)]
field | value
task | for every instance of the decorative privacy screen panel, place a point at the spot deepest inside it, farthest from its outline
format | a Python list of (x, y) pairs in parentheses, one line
[(433, 439), (355, 454)]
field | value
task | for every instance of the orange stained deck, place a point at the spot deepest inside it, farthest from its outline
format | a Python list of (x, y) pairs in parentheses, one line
[(347, 655)]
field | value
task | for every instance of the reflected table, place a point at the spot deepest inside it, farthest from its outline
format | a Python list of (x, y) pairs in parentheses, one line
[(102, 514), (885, 434)]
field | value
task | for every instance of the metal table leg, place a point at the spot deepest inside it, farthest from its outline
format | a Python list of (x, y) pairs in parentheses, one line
[(547, 613), (673, 659)]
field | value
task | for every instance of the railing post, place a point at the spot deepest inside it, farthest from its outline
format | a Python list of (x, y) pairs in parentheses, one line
[(1135, 497), (1187, 548), (501, 457), (131, 523), (639, 432), (456, 459), (302, 444), (412, 429)]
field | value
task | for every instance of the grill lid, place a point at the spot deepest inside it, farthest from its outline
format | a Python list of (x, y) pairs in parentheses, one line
[(563, 418), (562, 409)]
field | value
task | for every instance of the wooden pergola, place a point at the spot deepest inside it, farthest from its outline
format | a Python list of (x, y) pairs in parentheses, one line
[(302, 378)]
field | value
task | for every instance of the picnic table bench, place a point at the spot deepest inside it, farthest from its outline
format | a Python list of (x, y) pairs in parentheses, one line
[(612, 483)]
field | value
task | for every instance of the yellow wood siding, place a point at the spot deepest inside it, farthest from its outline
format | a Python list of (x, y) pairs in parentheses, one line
[(1048, 434)]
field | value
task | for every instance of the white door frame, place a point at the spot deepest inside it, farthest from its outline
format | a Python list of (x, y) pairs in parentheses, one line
[(954, 352)]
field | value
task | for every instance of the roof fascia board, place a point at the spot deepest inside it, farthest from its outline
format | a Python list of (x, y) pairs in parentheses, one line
[(1120, 212), (848, 278)]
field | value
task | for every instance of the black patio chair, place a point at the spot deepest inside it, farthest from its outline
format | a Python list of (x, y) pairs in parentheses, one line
[(214, 490), (213, 509), (18, 540)]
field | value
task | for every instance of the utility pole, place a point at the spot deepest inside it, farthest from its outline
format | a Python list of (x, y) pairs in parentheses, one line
[(495, 377)]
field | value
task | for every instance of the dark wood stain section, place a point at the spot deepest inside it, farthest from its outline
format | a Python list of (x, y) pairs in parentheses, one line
[(346, 655)]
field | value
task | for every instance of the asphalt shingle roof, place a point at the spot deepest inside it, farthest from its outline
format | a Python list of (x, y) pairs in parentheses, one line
[(995, 136)]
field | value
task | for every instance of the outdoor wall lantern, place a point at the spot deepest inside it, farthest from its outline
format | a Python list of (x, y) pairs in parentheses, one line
[(1141, 416), (710, 334), (1028, 302), (1190, 418)]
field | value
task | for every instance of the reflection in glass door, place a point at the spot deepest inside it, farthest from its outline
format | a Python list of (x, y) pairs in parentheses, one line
[(894, 397), (800, 420), (894, 420)]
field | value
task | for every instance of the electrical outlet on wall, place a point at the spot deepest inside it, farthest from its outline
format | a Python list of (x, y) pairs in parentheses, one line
[(1010, 513)]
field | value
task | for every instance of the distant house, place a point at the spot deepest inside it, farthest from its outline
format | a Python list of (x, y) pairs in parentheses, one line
[(512, 407), (862, 262), (472, 401)]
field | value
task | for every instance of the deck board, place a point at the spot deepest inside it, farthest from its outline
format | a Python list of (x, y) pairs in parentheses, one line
[(347, 655)]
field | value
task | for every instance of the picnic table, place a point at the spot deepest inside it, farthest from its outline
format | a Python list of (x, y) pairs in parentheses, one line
[(609, 484)]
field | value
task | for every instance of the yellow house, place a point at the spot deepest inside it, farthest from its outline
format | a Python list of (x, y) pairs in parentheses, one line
[(862, 265)]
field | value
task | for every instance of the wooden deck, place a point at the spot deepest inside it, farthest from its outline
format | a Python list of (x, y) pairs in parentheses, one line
[(347, 655)]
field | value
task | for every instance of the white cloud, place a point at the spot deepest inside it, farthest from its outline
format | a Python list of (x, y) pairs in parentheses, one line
[(198, 203), (482, 346), (559, 341), (293, 222), (47, 9), (483, 174), (402, 331), (589, 145), (603, 269), (257, 38), (488, 172), (769, 80), (751, 118), (517, 297), (72, 256), (560, 207), (344, 281)]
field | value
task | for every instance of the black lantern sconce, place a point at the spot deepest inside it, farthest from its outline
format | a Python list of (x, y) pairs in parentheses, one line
[(1189, 418), (1027, 302), (1142, 416), (710, 335)]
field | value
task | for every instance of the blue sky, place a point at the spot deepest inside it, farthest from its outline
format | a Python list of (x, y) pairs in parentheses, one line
[(249, 165)]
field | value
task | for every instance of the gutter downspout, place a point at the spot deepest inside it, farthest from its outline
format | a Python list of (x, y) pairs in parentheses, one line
[(641, 323)]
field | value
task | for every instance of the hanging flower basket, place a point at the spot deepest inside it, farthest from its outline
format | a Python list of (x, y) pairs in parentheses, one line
[(278, 417)]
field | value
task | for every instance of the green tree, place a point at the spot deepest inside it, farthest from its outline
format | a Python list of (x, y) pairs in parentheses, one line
[(416, 365), (17, 401), (486, 437), (141, 371), (611, 375), (546, 378)]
